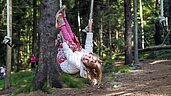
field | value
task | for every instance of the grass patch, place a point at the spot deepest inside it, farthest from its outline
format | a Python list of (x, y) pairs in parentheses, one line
[(73, 82), (1, 83), (109, 67), (22, 82)]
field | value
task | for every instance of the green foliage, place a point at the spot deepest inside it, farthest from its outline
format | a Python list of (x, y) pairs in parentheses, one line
[(118, 44), (73, 82), (2, 84), (48, 88), (21, 81), (25, 89), (108, 67), (166, 54)]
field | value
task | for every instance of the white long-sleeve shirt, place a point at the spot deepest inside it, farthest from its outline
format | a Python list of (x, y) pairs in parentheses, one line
[(73, 63)]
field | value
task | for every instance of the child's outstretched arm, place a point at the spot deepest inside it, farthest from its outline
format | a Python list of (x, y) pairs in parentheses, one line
[(89, 37), (90, 23)]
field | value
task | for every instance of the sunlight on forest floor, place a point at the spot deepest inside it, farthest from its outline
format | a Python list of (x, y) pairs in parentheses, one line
[(119, 63), (158, 61)]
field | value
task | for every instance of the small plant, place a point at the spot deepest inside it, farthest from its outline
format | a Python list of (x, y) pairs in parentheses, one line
[(48, 88)]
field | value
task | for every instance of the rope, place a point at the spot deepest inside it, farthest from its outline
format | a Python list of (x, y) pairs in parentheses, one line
[(60, 3), (91, 9)]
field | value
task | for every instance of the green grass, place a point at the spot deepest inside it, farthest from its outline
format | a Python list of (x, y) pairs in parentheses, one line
[(22, 82), (73, 82), (20, 79), (109, 67), (1, 83)]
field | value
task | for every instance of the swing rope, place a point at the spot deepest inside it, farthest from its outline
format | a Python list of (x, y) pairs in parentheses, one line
[(60, 3), (91, 9)]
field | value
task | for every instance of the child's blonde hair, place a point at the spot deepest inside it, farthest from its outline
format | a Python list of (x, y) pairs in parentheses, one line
[(95, 69)]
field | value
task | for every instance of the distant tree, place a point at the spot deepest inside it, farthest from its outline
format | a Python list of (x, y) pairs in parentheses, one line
[(47, 71), (128, 32), (169, 19), (157, 35), (9, 49), (34, 34)]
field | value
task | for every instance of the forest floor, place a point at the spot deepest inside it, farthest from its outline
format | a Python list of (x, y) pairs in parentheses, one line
[(153, 79)]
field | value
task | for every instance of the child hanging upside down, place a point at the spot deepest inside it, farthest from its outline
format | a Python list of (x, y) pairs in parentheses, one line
[(72, 58)]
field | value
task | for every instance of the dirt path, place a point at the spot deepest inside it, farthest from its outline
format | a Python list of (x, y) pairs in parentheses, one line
[(154, 79)]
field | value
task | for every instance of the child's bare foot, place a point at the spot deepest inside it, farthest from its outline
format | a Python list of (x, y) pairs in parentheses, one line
[(59, 17)]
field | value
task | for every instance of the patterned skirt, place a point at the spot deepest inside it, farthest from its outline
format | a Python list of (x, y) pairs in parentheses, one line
[(61, 55)]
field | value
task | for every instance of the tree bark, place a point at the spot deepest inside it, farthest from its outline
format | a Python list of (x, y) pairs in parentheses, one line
[(47, 71), (157, 35), (135, 34), (34, 34), (128, 32), (9, 49), (169, 19), (142, 26)]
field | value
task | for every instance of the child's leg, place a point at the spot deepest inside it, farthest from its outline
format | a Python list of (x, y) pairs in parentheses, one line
[(69, 29), (62, 26), (65, 34), (72, 35), (66, 31)]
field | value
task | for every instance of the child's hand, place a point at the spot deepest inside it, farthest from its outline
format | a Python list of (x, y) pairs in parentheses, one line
[(90, 23)]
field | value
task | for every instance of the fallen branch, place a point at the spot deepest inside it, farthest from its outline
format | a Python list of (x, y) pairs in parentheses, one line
[(153, 48)]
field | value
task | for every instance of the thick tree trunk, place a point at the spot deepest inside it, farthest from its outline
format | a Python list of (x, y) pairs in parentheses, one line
[(48, 71), (128, 32)]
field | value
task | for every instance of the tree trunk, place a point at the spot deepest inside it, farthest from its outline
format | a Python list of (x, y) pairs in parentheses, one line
[(47, 71), (135, 34), (34, 34), (34, 27), (9, 49), (128, 32), (79, 23), (142, 25), (101, 37), (169, 21), (157, 35)]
